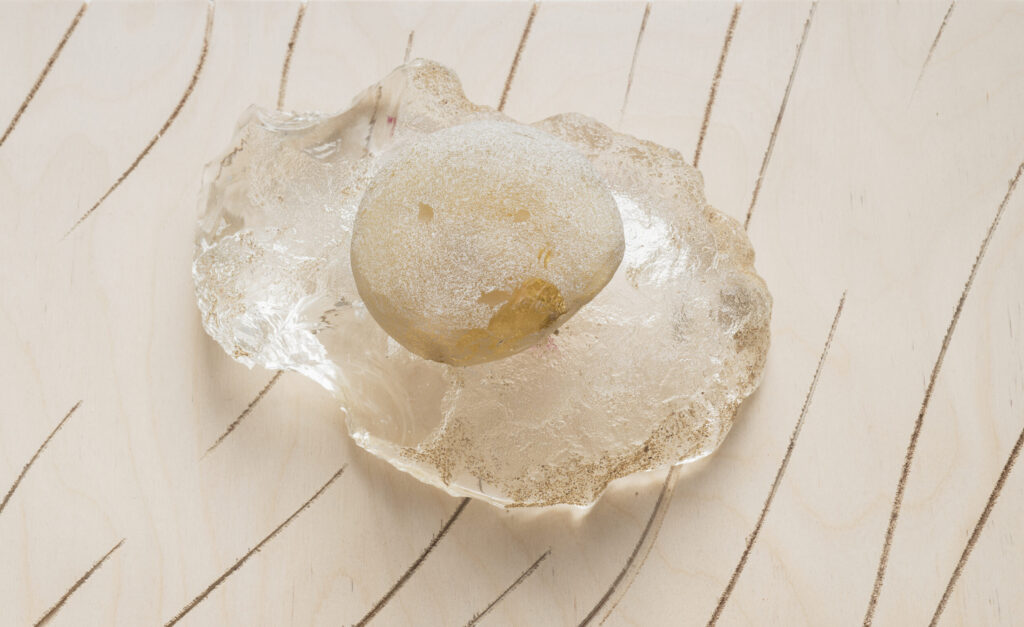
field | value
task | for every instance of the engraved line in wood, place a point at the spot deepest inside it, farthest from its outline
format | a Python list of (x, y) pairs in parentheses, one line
[(163, 129), (716, 80), (935, 43), (519, 54), (24, 471), (526, 573), (238, 564), (649, 535), (752, 538), (273, 380), (245, 412), (782, 111), (415, 565), (632, 65), (1010, 461), (642, 543), (81, 580), (378, 94), (901, 485), (408, 47), (671, 478), (283, 85), (46, 70)]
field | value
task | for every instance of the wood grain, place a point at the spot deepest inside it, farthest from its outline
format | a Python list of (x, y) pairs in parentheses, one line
[(42, 75), (409, 572), (45, 619), (504, 593), (242, 560), (287, 65), (166, 125), (782, 112), (729, 31), (519, 53), (901, 486), (780, 473), (35, 456), (872, 144), (632, 66), (935, 42), (976, 533)]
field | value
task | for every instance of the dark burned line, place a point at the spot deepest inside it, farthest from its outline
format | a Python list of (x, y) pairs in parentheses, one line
[(729, 31), (273, 380), (245, 412), (901, 485), (46, 70), (515, 584), (653, 525), (1010, 461), (163, 129), (519, 54), (650, 533), (408, 47), (782, 111), (286, 67), (658, 517), (75, 586), (24, 471), (632, 65), (935, 43), (238, 564), (415, 565), (752, 538), (377, 96)]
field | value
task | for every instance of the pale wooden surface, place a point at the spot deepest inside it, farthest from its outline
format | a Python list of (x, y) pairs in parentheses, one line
[(874, 187)]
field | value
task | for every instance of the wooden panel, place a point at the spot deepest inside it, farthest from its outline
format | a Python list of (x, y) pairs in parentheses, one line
[(884, 148)]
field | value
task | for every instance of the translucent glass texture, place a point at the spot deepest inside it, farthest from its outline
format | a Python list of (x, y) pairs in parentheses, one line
[(647, 374), (478, 241)]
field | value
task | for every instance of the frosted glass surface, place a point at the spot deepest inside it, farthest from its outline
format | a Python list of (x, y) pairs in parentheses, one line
[(647, 374)]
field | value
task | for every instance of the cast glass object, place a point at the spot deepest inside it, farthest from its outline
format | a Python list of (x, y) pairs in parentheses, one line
[(516, 313)]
